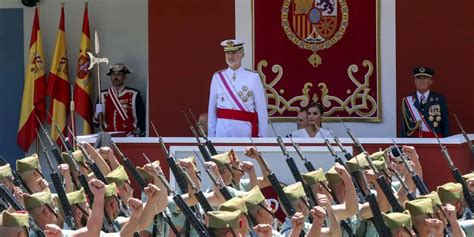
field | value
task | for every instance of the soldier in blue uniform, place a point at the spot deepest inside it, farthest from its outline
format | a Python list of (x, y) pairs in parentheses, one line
[(424, 112)]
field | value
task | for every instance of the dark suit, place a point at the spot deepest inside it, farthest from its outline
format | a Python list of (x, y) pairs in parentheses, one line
[(434, 111)]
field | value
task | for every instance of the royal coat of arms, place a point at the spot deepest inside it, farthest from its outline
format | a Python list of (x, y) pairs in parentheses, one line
[(314, 24)]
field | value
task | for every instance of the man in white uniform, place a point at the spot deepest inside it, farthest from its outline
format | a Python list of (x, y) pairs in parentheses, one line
[(237, 103)]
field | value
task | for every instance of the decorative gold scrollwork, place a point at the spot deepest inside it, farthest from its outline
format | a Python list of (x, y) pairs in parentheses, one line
[(358, 102)]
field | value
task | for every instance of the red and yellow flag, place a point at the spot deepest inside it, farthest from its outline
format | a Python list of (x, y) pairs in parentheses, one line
[(34, 90), (83, 83), (58, 82)]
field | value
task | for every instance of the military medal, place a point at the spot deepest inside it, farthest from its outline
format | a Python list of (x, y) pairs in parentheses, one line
[(435, 124), (431, 118)]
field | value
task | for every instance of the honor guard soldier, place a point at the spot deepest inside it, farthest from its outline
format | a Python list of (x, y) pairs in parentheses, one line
[(14, 224), (121, 107), (424, 112), (237, 103)]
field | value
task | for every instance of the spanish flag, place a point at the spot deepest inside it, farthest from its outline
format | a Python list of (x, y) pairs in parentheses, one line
[(34, 90), (83, 83), (58, 82)]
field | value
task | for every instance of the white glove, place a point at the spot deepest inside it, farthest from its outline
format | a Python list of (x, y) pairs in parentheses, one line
[(99, 108)]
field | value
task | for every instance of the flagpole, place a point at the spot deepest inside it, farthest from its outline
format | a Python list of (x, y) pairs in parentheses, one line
[(73, 119)]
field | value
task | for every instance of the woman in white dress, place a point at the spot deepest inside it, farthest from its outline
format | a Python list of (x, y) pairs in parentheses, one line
[(314, 113)]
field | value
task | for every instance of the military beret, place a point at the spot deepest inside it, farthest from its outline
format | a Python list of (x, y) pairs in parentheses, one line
[(37, 200), (396, 220), (110, 190), (468, 176), (234, 204), (253, 198), (420, 206), (77, 155), (15, 219), (117, 176), (380, 164), (119, 67), (356, 163), (76, 197), (423, 71), (231, 45), (434, 198), (224, 219), (378, 155), (5, 171), (221, 159), (28, 163), (294, 192), (332, 176), (450, 192), (313, 177)]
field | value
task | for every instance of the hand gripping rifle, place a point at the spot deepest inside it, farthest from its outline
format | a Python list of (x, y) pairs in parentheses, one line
[(9, 198), (202, 148), (420, 185), (377, 218), (384, 185), (339, 160), (457, 175), (58, 185), (108, 224), (165, 216), (200, 228), (17, 180), (171, 163), (277, 187), (464, 134), (410, 194), (54, 150), (197, 193), (69, 150), (208, 142), (215, 180), (294, 170)]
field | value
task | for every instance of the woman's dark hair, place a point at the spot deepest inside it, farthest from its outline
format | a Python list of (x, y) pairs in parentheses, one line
[(317, 105)]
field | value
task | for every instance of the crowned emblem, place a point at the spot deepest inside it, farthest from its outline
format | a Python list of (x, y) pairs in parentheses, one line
[(314, 24)]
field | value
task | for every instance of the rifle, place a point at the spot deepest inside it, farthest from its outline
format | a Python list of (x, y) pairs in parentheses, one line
[(456, 174), (202, 148), (17, 180), (130, 167), (464, 134), (347, 155), (208, 142), (377, 218), (309, 166), (54, 150), (200, 228), (9, 198), (339, 160), (215, 180), (69, 150), (380, 178), (197, 193), (294, 170), (171, 163), (277, 187), (108, 224), (410, 194), (163, 214), (414, 176), (56, 179)]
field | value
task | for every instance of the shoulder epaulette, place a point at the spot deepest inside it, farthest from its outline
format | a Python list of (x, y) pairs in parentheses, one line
[(251, 70)]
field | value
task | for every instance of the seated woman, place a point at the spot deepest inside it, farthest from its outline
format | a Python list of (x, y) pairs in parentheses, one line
[(314, 113)]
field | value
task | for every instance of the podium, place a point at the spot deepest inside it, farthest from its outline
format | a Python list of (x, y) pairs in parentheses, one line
[(435, 168)]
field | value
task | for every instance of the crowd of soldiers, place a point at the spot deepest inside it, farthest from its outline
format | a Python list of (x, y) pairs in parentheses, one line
[(379, 194)]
